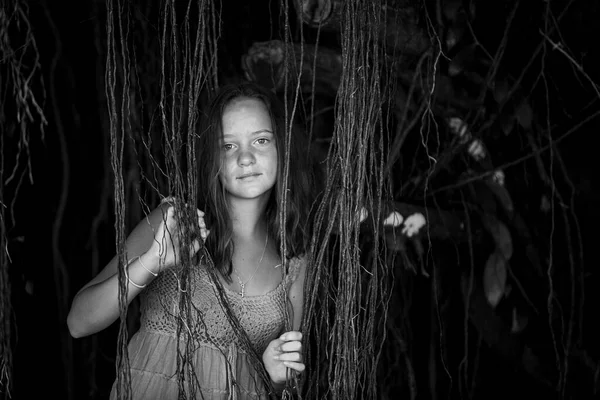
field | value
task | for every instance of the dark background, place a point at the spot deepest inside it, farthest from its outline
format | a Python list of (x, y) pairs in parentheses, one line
[(74, 158)]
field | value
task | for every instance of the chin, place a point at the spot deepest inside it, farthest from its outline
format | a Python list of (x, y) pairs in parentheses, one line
[(251, 194)]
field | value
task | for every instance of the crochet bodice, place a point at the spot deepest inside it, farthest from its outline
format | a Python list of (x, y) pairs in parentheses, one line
[(262, 317)]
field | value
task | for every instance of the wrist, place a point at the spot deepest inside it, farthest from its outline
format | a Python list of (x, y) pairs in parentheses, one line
[(138, 274), (150, 263), (277, 387)]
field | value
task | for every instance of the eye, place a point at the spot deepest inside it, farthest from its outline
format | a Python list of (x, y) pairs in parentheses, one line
[(262, 141), (227, 146)]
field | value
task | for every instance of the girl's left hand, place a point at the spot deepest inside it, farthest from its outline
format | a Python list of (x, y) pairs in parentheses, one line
[(283, 353)]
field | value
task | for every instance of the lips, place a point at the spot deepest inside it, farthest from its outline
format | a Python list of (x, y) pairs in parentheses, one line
[(248, 175)]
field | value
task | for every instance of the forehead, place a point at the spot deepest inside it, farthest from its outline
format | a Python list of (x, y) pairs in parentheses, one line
[(245, 110)]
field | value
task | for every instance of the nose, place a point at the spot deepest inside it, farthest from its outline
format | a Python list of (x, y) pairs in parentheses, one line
[(245, 158)]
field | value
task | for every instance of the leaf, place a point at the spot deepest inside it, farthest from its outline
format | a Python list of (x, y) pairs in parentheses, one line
[(451, 9), (519, 322), (524, 115), (502, 195), (395, 219), (507, 123), (501, 90), (395, 241), (420, 251), (453, 36), (494, 278), (501, 235), (418, 246), (462, 59)]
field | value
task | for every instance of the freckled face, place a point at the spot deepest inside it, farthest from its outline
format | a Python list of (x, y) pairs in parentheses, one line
[(248, 151)]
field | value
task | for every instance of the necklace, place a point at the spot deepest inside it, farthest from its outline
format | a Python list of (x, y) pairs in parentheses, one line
[(243, 284)]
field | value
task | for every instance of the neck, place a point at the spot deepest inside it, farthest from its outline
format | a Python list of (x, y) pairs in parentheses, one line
[(248, 218)]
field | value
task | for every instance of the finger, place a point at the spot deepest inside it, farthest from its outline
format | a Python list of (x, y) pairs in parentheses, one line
[(204, 234), (195, 247), (200, 213), (298, 366), (274, 346), (291, 346), (291, 335), (297, 357), (171, 217), (170, 212)]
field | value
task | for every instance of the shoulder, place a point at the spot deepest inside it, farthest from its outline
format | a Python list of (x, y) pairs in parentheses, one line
[(296, 272)]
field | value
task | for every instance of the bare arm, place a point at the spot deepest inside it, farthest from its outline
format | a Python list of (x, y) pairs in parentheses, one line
[(296, 297), (96, 305)]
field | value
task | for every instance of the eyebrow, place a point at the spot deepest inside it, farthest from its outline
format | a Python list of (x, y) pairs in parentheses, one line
[(258, 132)]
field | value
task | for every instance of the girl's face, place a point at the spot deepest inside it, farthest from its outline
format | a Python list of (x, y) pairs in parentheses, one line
[(248, 150)]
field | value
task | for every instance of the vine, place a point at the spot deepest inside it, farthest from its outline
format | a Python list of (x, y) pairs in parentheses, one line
[(21, 111)]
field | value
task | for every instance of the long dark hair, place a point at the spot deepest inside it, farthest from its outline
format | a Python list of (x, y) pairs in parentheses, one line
[(299, 188)]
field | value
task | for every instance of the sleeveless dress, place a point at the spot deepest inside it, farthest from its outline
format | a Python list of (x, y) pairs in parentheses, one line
[(222, 367)]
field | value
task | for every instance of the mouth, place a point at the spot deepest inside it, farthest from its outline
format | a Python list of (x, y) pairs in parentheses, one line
[(248, 175)]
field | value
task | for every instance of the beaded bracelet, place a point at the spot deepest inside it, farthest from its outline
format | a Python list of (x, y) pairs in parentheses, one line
[(135, 284), (143, 266), (127, 274)]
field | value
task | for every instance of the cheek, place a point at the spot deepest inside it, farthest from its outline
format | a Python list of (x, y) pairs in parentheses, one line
[(222, 175), (274, 161), (275, 164), (224, 169)]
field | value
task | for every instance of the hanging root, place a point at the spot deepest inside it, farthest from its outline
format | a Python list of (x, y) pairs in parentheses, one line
[(21, 109), (352, 289)]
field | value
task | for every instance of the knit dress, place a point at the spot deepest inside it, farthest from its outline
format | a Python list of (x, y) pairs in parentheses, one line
[(221, 366)]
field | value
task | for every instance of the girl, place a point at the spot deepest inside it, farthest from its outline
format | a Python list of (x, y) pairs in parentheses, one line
[(240, 194)]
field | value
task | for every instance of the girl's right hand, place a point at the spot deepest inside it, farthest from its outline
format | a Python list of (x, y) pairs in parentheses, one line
[(167, 238)]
